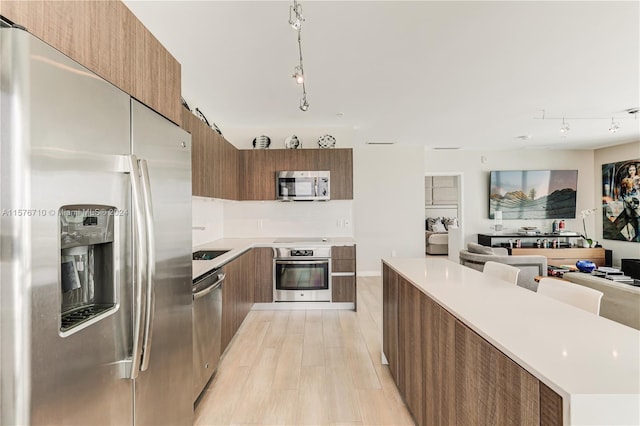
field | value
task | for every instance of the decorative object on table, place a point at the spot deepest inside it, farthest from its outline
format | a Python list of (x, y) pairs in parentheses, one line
[(326, 141), (621, 200), (529, 230), (292, 142), (585, 266), (497, 220), (261, 142), (584, 214), (533, 194)]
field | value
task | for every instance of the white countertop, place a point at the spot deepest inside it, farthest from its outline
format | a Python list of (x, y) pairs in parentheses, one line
[(237, 246), (592, 362)]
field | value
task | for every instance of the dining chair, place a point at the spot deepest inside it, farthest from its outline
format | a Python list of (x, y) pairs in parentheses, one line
[(502, 271), (574, 294)]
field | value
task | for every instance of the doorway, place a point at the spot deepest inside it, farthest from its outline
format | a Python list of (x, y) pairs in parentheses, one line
[(443, 214)]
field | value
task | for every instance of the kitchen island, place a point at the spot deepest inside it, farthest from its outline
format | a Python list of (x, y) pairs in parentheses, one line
[(465, 348)]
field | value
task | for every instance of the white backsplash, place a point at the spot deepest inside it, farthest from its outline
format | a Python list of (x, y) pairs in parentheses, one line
[(207, 213), (245, 219)]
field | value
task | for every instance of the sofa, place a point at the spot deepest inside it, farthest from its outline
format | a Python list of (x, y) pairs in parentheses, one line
[(530, 266), (620, 301)]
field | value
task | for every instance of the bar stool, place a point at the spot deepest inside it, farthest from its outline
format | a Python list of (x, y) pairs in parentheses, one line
[(577, 295), (501, 271)]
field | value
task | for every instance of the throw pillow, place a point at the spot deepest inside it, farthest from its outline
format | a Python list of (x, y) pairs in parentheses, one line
[(450, 221), (479, 249), (439, 227), (432, 221)]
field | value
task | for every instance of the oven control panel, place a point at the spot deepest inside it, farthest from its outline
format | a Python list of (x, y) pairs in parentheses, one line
[(301, 253)]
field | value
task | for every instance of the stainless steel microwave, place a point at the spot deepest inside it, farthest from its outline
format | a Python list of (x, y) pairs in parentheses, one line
[(303, 186)]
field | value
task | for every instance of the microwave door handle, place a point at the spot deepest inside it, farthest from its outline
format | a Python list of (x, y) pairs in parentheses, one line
[(139, 267), (150, 266), (315, 186)]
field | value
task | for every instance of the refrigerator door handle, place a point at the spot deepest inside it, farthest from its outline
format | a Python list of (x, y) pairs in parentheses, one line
[(150, 266), (140, 270)]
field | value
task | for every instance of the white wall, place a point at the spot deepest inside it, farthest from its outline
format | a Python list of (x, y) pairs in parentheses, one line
[(621, 249), (476, 166), (388, 192)]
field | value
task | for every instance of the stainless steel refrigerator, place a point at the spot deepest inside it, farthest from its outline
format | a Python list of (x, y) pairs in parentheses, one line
[(95, 248)]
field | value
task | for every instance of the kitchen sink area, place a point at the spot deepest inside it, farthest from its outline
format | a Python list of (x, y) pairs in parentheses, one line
[(208, 254)]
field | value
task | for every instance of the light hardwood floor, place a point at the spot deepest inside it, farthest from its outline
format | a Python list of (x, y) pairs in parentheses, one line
[(313, 367)]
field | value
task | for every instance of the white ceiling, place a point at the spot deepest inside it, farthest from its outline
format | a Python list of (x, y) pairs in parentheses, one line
[(474, 75)]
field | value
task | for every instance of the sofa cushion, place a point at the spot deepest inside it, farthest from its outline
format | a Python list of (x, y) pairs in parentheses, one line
[(479, 249)]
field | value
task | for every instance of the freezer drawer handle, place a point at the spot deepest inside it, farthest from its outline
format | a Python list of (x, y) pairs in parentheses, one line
[(151, 267)]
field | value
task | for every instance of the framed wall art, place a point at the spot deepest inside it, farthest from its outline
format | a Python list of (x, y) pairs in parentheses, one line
[(621, 200)]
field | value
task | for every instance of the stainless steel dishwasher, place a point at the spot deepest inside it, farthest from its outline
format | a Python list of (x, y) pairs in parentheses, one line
[(207, 326)]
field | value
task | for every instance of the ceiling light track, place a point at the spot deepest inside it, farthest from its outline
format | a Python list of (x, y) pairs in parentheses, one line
[(613, 127), (295, 20)]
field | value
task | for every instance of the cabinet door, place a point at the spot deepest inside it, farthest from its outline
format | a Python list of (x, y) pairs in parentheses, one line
[(108, 39), (410, 349), (390, 319), (490, 387), (263, 292), (257, 175), (343, 289), (438, 363)]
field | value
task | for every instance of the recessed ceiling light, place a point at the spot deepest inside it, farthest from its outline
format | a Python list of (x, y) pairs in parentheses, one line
[(446, 147), (339, 114), (524, 137)]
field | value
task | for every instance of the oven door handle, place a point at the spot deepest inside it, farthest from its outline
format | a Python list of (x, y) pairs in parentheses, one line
[(298, 262)]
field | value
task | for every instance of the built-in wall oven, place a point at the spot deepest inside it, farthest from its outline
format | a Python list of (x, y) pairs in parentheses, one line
[(302, 274)]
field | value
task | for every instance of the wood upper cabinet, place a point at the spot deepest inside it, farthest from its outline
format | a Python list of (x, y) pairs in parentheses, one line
[(258, 169), (108, 39), (156, 75), (214, 161)]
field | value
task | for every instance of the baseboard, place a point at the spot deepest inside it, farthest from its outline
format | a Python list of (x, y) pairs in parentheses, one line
[(295, 306)]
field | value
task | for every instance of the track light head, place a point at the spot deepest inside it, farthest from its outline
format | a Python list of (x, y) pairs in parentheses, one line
[(298, 74), (304, 105), (295, 16), (614, 127), (564, 128)]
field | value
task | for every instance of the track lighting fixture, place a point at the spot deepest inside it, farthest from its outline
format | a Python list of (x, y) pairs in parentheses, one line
[(614, 126), (295, 15), (295, 20)]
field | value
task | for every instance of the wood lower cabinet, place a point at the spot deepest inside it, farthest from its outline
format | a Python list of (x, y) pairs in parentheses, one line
[(264, 275), (237, 294), (107, 38), (343, 274), (447, 374)]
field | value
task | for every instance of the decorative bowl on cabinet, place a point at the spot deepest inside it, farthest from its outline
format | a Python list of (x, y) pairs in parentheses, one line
[(261, 142), (292, 142), (326, 141)]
